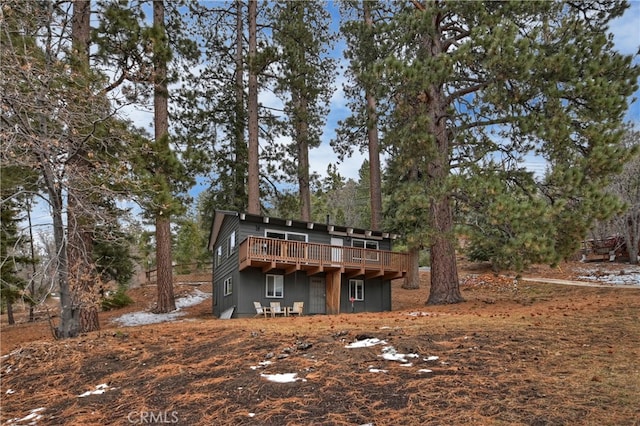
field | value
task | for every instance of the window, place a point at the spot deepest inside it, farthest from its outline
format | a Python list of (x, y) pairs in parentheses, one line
[(228, 287), (275, 234), (218, 259), (281, 235), (275, 286), (231, 244), (366, 244), (356, 289)]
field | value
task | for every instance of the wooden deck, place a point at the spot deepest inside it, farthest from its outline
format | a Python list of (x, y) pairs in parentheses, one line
[(270, 253)]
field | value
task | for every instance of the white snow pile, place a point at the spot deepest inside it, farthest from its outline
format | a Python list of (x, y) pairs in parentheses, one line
[(99, 390), (365, 343), (32, 418), (389, 353), (628, 276), (283, 377), (141, 318)]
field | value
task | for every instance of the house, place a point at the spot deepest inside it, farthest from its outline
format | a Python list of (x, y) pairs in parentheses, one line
[(264, 259)]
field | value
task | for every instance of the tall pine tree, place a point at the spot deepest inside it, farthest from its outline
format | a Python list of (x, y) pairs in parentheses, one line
[(472, 84)]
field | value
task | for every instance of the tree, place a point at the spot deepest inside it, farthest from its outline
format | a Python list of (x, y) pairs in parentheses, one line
[(470, 84), (14, 181), (301, 34), (166, 160), (363, 53), (80, 236), (51, 115), (626, 186), (253, 179)]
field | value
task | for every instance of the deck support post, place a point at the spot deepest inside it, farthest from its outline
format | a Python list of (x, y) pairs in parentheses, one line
[(333, 284)]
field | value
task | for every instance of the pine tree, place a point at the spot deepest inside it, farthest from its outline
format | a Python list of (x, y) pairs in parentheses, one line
[(363, 53), (475, 84), (15, 182), (301, 34), (53, 114)]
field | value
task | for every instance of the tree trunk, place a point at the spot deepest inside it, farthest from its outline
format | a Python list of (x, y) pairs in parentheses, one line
[(82, 274), (10, 319), (32, 287), (166, 301), (375, 181), (253, 178), (239, 184), (412, 279), (445, 286), (632, 237), (302, 141), (69, 324)]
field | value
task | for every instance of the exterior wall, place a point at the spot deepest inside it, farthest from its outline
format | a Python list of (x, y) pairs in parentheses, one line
[(377, 296), (228, 267), (249, 285), (253, 289)]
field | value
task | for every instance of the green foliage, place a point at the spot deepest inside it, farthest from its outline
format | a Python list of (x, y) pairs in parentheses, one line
[(303, 38), (503, 81), (12, 242), (117, 300), (190, 246), (112, 254)]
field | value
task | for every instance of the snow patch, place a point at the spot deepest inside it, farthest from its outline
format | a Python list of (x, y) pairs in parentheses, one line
[(99, 390), (141, 318), (390, 354), (32, 417), (282, 378), (366, 343)]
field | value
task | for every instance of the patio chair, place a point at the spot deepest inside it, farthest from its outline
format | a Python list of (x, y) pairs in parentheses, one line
[(261, 310), (297, 308), (276, 309)]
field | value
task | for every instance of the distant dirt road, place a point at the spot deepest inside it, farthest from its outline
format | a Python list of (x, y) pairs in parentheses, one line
[(577, 283)]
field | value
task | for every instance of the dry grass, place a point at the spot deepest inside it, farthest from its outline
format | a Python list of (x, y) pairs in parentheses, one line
[(535, 354)]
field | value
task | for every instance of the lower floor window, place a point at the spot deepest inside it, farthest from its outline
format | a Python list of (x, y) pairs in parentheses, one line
[(356, 289), (228, 287), (275, 286)]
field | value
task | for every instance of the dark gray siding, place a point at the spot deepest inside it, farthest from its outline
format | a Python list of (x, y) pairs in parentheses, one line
[(228, 267), (253, 289), (377, 296)]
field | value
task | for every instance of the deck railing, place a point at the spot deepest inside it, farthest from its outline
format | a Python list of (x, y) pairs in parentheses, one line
[(272, 250)]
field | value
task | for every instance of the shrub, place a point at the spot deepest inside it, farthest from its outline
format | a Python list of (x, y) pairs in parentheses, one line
[(117, 300)]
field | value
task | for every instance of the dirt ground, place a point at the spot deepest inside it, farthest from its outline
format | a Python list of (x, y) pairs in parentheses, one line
[(514, 353)]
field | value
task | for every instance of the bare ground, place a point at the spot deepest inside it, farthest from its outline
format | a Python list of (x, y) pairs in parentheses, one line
[(511, 354)]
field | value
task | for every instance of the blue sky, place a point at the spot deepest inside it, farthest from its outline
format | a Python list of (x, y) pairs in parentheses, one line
[(626, 31)]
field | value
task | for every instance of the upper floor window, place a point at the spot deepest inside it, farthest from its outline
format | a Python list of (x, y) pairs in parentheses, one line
[(282, 235), (366, 244), (231, 244), (218, 257)]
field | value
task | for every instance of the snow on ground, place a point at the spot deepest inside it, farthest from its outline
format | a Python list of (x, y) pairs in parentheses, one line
[(32, 417), (388, 353), (365, 343), (99, 390), (629, 275), (282, 378), (142, 318)]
